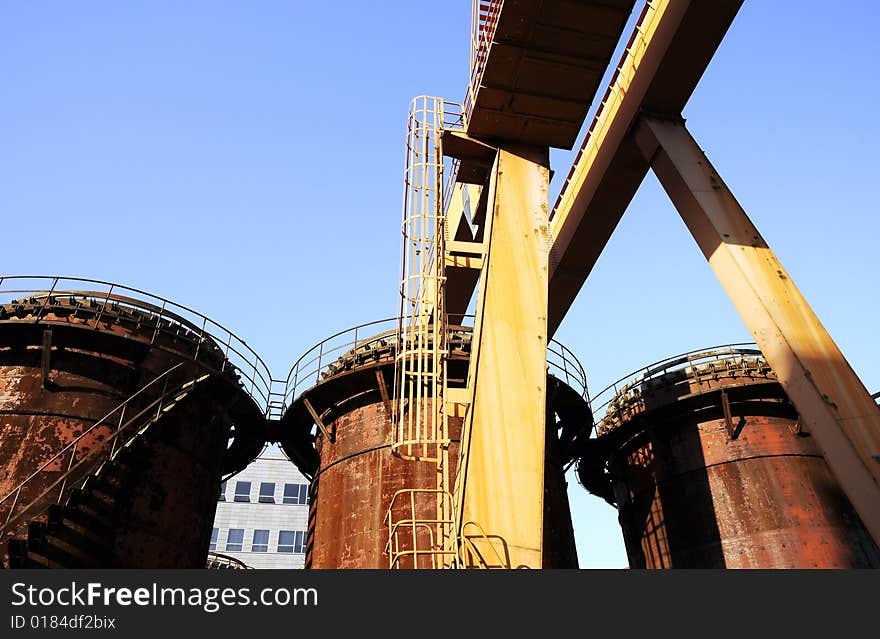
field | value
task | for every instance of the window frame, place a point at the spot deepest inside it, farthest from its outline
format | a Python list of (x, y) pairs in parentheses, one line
[(263, 498), (293, 498), (279, 545), (243, 498), (260, 547), (239, 543)]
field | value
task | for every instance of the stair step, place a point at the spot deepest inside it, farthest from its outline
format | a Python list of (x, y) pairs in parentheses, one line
[(109, 478), (37, 560), (98, 495), (49, 556), (61, 551), (57, 550), (109, 484), (99, 524), (74, 531)]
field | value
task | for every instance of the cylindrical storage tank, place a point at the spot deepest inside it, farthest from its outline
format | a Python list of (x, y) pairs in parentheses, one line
[(67, 363), (710, 467), (355, 475)]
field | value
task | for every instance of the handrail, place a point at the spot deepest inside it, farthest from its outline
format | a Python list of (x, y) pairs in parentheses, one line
[(256, 378), (309, 367), (467, 542), (238, 355), (413, 524), (629, 384), (615, 93), (484, 21), (302, 372), (218, 560), (13, 518), (73, 443)]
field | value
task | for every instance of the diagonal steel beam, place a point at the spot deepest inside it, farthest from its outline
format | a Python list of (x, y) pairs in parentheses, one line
[(667, 54), (831, 400)]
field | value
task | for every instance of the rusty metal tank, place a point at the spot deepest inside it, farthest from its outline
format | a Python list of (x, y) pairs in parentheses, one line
[(354, 474), (709, 467), (83, 368)]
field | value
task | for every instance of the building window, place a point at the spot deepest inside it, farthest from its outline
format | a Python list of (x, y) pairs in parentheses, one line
[(235, 539), (222, 496), (286, 539), (214, 534), (293, 541), (267, 492), (296, 494), (242, 491), (261, 541)]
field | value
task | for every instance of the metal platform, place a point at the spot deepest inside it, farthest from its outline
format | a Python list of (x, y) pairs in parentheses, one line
[(537, 65)]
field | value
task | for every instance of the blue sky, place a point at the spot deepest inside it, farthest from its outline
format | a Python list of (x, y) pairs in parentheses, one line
[(245, 159)]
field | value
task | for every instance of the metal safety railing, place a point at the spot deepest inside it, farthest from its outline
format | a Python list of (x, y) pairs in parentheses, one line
[(476, 549), (219, 561), (727, 359), (352, 346), (484, 21), (306, 371), (453, 120), (326, 357), (122, 425), (417, 540), (617, 89), (46, 294)]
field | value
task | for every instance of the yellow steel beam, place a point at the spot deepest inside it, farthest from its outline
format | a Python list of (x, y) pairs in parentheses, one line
[(831, 400), (667, 54), (500, 490)]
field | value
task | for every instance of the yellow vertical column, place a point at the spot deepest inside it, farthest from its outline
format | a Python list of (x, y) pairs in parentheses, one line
[(832, 402), (501, 476)]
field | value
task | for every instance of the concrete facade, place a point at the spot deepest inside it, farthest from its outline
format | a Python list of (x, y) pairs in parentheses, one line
[(264, 524)]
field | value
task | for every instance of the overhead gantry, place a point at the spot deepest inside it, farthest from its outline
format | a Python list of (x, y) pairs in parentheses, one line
[(536, 65)]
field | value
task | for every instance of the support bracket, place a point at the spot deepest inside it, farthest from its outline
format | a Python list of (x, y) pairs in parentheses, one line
[(46, 359), (320, 424)]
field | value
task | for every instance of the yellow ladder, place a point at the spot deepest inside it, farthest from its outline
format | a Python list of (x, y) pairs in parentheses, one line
[(420, 518)]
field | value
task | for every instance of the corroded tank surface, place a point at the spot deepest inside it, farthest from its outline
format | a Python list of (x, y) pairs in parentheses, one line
[(37, 422), (709, 467), (67, 362), (92, 367), (355, 475), (356, 481)]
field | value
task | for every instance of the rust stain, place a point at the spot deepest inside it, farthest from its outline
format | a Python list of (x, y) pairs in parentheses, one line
[(167, 495), (357, 480), (696, 496)]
